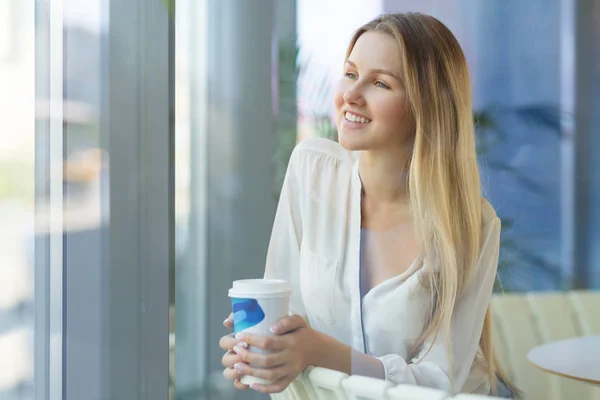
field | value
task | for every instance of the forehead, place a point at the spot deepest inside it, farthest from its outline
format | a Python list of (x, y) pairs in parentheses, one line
[(376, 50)]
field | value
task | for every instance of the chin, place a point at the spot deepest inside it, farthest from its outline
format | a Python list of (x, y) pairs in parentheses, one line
[(349, 144)]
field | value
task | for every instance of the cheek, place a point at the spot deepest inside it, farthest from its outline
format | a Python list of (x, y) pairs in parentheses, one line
[(393, 112), (338, 99), (338, 94)]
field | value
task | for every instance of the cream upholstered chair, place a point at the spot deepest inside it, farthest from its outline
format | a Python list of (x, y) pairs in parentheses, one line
[(555, 319), (586, 305), (524, 321), (512, 318)]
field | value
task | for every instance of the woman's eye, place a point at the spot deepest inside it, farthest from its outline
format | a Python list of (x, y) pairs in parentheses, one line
[(381, 85), (350, 75)]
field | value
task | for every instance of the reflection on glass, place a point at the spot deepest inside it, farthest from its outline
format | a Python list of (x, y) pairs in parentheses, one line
[(26, 178), (85, 192), (17, 141)]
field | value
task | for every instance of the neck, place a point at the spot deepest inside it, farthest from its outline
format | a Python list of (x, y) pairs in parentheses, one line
[(384, 176)]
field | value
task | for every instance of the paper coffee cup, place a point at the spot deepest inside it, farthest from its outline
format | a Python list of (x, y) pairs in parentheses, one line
[(257, 304)]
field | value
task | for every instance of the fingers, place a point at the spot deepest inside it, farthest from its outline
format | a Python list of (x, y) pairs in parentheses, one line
[(239, 385), (272, 343), (262, 360), (232, 375), (230, 358), (271, 374), (276, 387), (228, 323), (227, 342), (288, 324)]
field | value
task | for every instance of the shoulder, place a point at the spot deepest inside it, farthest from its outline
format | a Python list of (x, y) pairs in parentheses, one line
[(324, 147), (491, 225), (320, 153), (488, 214)]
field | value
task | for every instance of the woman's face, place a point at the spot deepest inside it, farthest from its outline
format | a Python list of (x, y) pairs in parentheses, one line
[(370, 98)]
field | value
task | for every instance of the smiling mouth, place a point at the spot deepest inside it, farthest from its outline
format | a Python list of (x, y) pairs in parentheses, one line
[(355, 118)]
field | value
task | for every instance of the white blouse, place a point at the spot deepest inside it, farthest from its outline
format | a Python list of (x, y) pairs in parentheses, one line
[(315, 245)]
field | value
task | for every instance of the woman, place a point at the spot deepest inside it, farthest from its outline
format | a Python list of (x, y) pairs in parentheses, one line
[(385, 238)]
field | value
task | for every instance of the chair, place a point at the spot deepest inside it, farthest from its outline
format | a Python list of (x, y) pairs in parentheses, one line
[(327, 383), (546, 307), (513, 316), (412, 392), (585, 305), (500, 346), (363, 388)]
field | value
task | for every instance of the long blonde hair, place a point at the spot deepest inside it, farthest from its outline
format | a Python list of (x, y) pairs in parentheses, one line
[(444, 183)]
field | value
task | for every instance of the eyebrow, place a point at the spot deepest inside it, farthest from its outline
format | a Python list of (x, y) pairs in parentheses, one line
[(376, 71)]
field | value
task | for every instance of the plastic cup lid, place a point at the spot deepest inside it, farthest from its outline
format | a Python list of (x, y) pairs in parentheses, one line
[(259, 287)]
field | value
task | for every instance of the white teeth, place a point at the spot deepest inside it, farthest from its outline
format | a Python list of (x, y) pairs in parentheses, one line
[(355, 118)]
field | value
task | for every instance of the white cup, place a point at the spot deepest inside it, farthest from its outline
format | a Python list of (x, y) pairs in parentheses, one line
[(257, 304)]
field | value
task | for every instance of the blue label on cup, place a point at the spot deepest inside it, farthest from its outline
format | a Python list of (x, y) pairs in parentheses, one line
[(246, 313)]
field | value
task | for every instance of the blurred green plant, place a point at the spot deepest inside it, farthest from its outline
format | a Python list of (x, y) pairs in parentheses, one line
[(170, 4), (287, 120)]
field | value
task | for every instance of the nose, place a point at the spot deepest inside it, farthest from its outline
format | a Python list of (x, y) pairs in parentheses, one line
[(353, 96)]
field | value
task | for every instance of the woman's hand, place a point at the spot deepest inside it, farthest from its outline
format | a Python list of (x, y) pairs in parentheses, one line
[(230, 358), (292, 350)]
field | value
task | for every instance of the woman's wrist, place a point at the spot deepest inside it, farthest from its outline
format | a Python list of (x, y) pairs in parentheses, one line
[(332, 354)]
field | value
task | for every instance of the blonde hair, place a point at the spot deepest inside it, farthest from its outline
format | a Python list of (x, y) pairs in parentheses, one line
[(444, 183)]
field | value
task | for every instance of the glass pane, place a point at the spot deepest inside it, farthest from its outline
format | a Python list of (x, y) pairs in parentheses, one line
[(183, 167), (71, 196), (593, 59), (57, 318), (226, 174), (17, 198), (85, 191)]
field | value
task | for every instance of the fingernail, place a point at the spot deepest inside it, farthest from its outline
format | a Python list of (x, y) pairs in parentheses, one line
[(275, 328), (238, 367), (236, 349), (226, 320), (239, 335), (243, 344)]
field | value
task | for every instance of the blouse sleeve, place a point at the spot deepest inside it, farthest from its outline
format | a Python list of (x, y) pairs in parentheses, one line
[(283, 256), (465, 329)]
